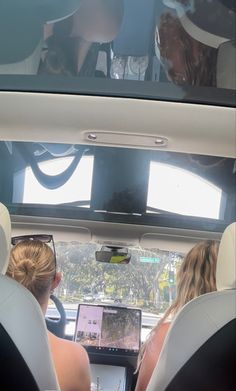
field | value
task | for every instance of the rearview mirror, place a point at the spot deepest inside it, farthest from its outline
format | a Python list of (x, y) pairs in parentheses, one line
[(113, 254)]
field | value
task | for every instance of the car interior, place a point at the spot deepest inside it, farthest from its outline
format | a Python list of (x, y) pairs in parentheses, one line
[(118, 150)]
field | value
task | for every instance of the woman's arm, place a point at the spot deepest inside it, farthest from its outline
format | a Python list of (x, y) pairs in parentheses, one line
[(151, 356), (82, 375), (71, 363)]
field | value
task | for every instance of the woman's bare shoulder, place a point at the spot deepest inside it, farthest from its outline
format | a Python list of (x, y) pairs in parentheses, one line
[(69, 347)]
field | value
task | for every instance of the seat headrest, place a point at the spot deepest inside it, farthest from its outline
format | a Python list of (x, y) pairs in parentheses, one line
[(226, 262), (21, 25), (29, 66), (5, 238)]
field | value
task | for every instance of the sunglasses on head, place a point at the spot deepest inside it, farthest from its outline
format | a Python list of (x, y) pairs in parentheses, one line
[(44, 238)]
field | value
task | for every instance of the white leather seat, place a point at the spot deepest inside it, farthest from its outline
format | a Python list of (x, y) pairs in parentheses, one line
[(199, 351), (226, 56), (25, 359), (191, 28)]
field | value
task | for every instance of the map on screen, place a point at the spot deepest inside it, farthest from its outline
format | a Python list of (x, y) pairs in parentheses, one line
[(110, 328)]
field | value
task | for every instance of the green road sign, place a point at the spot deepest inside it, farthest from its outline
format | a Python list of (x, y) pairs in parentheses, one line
[(149, 260)]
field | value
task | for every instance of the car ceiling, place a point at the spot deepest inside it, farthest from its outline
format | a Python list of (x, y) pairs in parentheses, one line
[(190, 128)]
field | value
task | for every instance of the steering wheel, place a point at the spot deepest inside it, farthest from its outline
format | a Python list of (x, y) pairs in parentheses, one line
[(57, 327)]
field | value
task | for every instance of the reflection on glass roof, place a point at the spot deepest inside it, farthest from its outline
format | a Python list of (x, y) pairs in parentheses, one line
[(117, 184), (181, 43), (175, 190), (76, 189)]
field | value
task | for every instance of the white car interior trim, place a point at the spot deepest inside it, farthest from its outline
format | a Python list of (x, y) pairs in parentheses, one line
[(102, 232), (226, 263), (81, 234), (189, 128), (5, 238)]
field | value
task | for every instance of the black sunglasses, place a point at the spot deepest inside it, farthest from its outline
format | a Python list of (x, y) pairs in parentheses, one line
[(45, 238)]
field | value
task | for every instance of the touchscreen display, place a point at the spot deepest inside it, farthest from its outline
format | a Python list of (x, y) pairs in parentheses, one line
[(109, 328)]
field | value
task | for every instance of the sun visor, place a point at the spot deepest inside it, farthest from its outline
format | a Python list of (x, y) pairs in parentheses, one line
[(172, 243), (60, 234), (21, 25)]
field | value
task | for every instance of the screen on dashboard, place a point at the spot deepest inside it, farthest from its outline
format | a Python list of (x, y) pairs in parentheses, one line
[(108, 328)]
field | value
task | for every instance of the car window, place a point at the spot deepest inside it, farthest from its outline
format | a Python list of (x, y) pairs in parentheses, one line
[(35, 192), (171, 50), (184, 184), (148, 281), (134, 186)]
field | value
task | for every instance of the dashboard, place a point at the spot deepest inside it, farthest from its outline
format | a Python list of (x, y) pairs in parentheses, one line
[(112, 335), (149, 320)]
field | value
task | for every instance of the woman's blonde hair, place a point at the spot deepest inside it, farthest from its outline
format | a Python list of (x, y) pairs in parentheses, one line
[(196, 276), (32, 264)]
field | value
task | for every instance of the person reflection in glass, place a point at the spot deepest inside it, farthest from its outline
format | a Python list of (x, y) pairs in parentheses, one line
[(185, 60), (73, 44)]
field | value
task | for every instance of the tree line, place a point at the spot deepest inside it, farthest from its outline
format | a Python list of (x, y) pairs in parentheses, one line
[(144, 281)]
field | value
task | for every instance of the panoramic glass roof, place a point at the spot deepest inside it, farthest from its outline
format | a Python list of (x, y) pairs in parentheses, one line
[(118, 184), (180, 50)]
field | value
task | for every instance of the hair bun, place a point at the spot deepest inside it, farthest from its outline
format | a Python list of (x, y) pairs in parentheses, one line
[(27, 268)]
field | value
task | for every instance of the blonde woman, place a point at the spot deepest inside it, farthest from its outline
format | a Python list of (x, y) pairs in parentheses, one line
[(195, 277), (33, 264)]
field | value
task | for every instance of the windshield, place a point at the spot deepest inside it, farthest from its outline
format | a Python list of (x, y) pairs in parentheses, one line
[(170, 49), (147, 282)]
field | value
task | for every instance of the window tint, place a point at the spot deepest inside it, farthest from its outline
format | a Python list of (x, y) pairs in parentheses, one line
[(175, 190), (169, 49), (76, 189), (118, 185)]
